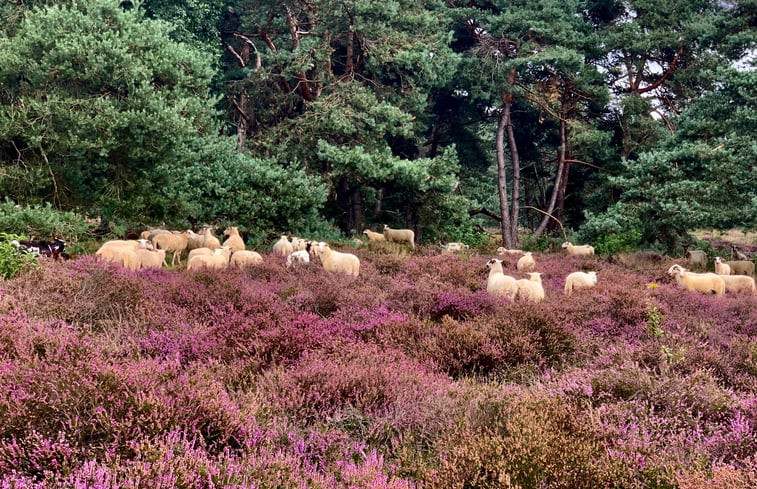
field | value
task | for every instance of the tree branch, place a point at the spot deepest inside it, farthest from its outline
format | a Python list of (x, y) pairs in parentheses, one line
[(484, 211), (666, 75)]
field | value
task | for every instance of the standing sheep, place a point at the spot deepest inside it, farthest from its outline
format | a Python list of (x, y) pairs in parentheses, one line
[(151, 259), (738, 283), (578, 250), (399, 236), (208, 240), (175, 243), (736, 254), (123, 255), (708, 283), (741, 267), (696, 259), (373, 236), (721, 268), (218, 260), (234, 240), (498, 284), (531, 289), (245, 258), (335, 261), (526, 263), (580, 280), (453, 247), (283, 247)]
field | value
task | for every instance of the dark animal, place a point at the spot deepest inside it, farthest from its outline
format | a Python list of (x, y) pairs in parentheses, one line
[(54, 249)]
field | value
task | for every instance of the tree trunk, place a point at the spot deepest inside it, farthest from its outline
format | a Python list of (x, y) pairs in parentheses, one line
[(357, 210), (379, 201), (504, 224), (514, 156), (558, 181)]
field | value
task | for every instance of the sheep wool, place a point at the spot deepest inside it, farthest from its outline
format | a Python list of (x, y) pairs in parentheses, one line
[(498, 284), (234, 240), (405, 236), (338, 262), (526, 263), (150, 258), (531, 289), (738, 283), (721, 268), (373, 236), (245, 258), (578, 250), (175, 243), (709, 283), (741, 267), (283, 247), (580, 280)]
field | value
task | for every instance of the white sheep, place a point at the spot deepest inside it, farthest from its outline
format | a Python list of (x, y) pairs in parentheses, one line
[(122, 255), (300, 257), (702, 282), (399, 236), (531, 289), (335, 261), (208, 240), (498, 284), (283, 247), (374, 236), (218, 260), (151, 259), (738, 283), (194, 240), (578, 250), (148, 234), (580, 280), (453, 247), (504, 251), (741, 267), (244, 258), (299, 244), (721, 268), (234, 240), (132, 244), (175, 243), (696, 258), (526, 263)]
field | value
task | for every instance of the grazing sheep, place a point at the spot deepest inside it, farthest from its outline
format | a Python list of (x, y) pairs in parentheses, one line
[(399, 236), (373, 236), (504, 251), (696, 259), (151, 259), (580, 280), (175, 243), (234, 240), (218, 260), (736, 254), (721, 268), (453, 247), (526, 263), (738, 283), (245, 258), (283, 247), (122, 255), (335, 261), (578, 250), (709, 283), (531, 289), (741, 267), (498, 284)]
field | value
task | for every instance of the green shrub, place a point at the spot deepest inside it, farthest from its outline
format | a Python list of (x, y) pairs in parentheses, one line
[(41, 221), (12, 262), (623, 242)]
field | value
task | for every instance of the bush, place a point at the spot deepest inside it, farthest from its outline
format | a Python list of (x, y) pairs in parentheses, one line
[(12, 262), (624, 242), (43, 222)]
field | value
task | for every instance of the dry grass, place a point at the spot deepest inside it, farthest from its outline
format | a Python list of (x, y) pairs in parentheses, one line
[(736, 236)]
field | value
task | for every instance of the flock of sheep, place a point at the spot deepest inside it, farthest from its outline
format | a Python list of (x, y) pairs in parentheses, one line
[(206, 251)]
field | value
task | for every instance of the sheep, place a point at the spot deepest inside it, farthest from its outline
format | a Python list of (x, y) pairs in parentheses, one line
[(580, 280), (210, 241), (738, 283), (194, 240), (741, 267), (736, 254), (498, 284), (696, 259), (151, 259), (504, 251), (531, 289), (299, 244), (132, 244), (453, 247), (122, 255), (283, 247), (199, 251), (721, 268), (234, 240), (218, 260), (151, 233), (578, 250), (243, 258), (335, 261), (701, 282), (526, 263), (175, 243), (373, 236), (399, 236)]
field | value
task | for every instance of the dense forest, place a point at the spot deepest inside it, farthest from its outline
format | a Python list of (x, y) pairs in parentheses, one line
[(628, 120)]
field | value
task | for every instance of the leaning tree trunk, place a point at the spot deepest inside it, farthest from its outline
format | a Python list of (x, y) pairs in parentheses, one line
[(504, 212), (559, 175)]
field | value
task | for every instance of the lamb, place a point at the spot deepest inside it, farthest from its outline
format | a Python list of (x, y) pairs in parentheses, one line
[(504, 251), (738, 283), (399, 236), (736, 254), (721, 268), (580, 280), (374, 236), (701, 282), (218, 260), (498, 284), (578, 250), (299, 257), (741, 267), (244, 258), (526, 263), (122, 255), (335, 261), (696, 259), (234, 240), (175, 243), (151, 259), (283, 247), (531, 289)]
